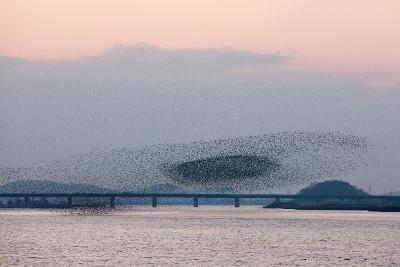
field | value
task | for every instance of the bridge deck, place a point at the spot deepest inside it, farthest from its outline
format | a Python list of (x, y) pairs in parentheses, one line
[(195, 195)]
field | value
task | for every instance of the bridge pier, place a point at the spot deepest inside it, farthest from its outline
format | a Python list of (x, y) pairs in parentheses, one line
[(69, 201), (195, 202), (43, 200), (154, 204), (112, 201), (237, 202)]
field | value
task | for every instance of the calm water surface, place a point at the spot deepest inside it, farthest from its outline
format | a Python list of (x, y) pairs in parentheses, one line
[(204, 236)]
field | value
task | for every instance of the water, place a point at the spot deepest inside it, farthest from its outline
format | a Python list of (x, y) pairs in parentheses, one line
[(204, 236)]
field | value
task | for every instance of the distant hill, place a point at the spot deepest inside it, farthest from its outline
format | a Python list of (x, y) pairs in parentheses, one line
[(45, 186), (393, 193), (170, 188), (163, 188), (332, 187)]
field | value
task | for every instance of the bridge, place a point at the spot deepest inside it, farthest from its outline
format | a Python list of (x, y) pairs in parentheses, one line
[(195, 196)]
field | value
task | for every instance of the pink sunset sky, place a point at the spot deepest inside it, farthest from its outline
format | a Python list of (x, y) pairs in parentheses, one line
[(360, 37)]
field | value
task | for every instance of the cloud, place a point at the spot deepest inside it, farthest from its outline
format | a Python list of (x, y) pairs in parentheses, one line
[(144, 95), (182, 58), (145, 56)]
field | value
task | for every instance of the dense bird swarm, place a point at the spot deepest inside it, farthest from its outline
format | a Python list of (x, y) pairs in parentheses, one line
[(212, 170), (243, 164)]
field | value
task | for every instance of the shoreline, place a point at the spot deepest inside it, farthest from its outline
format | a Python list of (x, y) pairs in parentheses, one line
[(339, 207)]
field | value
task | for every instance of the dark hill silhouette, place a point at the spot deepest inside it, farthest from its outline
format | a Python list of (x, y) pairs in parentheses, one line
[(332, 187), (163, 188), (171, 188), (393, 193), (45, 186)]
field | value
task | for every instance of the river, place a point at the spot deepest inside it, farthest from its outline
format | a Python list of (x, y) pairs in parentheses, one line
[(204, 236)]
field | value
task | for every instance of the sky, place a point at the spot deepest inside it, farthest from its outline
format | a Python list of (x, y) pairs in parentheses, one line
[(355, 36), (77, 76)]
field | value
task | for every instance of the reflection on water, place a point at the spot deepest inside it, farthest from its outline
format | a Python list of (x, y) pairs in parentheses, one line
[(204, 236)]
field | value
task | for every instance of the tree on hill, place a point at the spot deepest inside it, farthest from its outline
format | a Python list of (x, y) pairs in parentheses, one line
[(332, 187)]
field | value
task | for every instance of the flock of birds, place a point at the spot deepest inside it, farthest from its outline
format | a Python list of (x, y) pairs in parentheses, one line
[(242, 164)]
